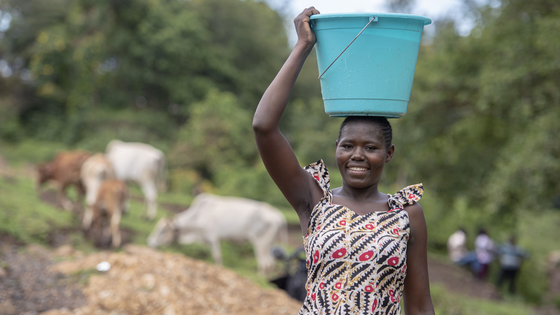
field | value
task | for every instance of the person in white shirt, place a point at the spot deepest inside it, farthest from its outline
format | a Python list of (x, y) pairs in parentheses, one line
[(457, 246), (484, 247)]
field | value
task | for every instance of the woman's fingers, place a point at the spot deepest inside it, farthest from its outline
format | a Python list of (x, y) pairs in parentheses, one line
[(302, 25), (313, 10)]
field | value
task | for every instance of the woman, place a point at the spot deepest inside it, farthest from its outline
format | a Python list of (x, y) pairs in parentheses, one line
[(364, 248)]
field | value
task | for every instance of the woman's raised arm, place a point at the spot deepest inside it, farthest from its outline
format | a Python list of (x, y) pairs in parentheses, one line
[(281, 163)]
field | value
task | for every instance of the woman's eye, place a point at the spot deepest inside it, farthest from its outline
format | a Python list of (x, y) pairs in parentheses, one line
[(346, 146), (370, 148)]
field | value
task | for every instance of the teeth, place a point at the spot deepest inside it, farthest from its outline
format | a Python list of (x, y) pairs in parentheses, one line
[(357, 168)]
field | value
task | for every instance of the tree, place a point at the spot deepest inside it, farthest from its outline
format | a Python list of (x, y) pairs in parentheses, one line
[(479, 122), (162, 54)]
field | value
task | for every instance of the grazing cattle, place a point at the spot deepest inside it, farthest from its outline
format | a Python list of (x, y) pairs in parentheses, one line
[(108, 209), (64, 169), (95, 170), (142, 164), (213, 218)]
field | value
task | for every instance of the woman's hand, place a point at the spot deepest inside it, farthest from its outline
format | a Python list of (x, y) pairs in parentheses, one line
[(303, 29)]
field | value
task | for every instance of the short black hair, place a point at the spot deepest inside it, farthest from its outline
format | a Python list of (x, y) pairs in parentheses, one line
[(379, 121)]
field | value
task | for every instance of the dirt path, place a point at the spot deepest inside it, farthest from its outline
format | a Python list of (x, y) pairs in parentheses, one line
[(27, 287), (460, 281)]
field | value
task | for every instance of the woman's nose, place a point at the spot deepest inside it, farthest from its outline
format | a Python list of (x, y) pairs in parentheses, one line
[(357, 154)]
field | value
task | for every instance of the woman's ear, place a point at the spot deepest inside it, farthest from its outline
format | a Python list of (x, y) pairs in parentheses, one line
[(336, 143), (390, 153)]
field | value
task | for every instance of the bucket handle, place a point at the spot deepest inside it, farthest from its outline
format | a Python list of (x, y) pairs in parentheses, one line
[(371, 19)]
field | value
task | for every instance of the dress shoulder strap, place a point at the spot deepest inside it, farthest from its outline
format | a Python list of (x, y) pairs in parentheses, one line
[(321, 175), (406, 196)]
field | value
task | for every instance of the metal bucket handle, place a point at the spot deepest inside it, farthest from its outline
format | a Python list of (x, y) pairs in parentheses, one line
[(371, 19)]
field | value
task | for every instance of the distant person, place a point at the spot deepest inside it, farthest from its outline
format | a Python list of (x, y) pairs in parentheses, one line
[(484, 247), (458, 253), (457, 246), (511, 257)]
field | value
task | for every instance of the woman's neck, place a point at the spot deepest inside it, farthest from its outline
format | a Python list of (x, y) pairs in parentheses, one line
[(360, 194)]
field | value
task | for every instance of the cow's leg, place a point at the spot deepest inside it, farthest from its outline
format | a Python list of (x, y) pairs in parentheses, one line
[(216, 250), (115, 231), (265, 260), (262, 245), (150, 193), (92, 188), (63, 199), (88, 215)]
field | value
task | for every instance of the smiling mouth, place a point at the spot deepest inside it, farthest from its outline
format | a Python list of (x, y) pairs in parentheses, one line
[(358, 169)]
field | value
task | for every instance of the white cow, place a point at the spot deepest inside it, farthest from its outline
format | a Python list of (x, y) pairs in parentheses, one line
[(213, 218), (95, 170), (141, 163)]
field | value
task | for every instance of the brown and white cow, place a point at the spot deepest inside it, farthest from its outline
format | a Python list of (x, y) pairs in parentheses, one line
[(95, 171), (64, 170), (110, 205)]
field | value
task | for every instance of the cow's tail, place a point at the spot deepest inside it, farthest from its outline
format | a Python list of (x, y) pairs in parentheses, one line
[(162, 174)]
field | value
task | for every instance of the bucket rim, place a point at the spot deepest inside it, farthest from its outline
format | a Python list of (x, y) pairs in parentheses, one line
[(424, 19)]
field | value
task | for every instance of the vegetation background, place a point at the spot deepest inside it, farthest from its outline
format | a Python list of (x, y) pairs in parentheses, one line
[(481, 130)]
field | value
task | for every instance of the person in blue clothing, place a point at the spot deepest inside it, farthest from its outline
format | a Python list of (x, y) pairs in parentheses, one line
[(511, 257)]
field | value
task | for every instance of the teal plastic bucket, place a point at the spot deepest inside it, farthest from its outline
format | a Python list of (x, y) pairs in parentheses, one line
[(374, 71)]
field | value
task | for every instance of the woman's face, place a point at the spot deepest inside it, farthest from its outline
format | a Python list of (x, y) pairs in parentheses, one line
[(361, 154)]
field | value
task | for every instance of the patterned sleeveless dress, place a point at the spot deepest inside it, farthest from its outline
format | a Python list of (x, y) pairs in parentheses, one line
[(356, 263)]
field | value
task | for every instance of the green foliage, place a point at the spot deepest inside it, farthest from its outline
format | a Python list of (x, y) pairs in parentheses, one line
[(157, 54), (535, 234), (250, 41), (140, 125), (218, 135), (311, 132), (30, 151), (249, 182), (480, 119), (9, 124)]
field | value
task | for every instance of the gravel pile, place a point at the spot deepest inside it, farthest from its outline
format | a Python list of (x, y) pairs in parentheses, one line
[(144, 281)]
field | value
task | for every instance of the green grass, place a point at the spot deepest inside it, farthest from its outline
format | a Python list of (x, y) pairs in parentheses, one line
[(165, 197), (30, 151), (24, 216), (446, 303)]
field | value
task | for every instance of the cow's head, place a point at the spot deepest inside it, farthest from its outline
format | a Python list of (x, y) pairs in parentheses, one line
[(44, 173), (163, 233)]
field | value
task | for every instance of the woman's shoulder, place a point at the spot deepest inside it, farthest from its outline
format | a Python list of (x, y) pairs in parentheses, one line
[(320, 173), (406, 197)]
